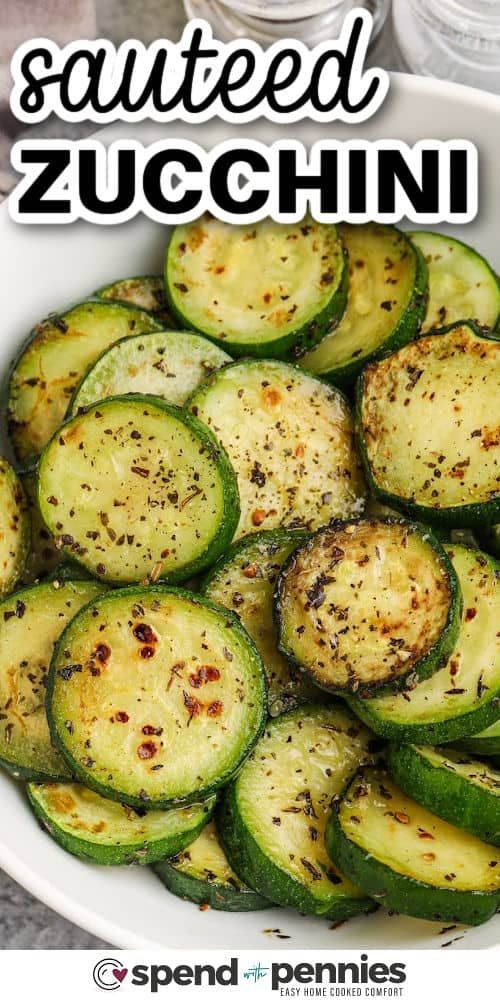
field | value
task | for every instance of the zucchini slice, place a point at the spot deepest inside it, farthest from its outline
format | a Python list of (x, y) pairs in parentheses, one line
[(61, 349), (484, 744), (267, 290), (428, 432), (462, 284), (385, 305), (146, 292), (110, 833), (408, 859), (464, 791), (155, 696), (464, 697), (290, 440), (15, 528), (31, 621), (274, 814), (367, 604), (168, 364), (202, 874), (43, 556), (134, 488), (244, 581)]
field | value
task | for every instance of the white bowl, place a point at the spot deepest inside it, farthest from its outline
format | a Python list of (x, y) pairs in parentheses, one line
[(47, 268)]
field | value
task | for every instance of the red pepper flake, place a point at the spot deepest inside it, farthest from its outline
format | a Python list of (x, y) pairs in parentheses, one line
[(146, 750), (147, 652), (144, 633), (424, 834), (258, 517), (470, 614), (144, 473), (401, 817), (102, 653), (430, 856), (121, 717), (203, 676), (214, 709), (250, 572), (152, 730)]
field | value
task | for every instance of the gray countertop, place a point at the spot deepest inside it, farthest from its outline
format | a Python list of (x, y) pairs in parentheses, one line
[(24, 921)]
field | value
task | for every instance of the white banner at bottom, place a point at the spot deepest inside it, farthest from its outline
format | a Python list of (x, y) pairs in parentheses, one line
[(132, 975)]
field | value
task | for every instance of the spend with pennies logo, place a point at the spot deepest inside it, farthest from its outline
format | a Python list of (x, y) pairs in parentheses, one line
[(109, 974)]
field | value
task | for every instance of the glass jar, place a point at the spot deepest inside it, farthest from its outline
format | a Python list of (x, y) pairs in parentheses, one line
[(312, 21), (451, 39)]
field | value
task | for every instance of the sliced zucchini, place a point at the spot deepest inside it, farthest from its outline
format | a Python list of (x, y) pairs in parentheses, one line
[(491, 539), (61, 349), (155, 696), (31, 621), (428, 433), (290, 440), (386, 302), (274, 814), (267, 290), (134, 488), (145, 292), (462, 284), (484, 744), (203, 874), (464, 697), (464, 791), (43, 557), (369, 603), (408, 859), (167, 364), (110, 833), (244, 581), (15, 528)]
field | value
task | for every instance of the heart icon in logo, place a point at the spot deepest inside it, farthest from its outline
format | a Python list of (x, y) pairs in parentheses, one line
[(120, 974)]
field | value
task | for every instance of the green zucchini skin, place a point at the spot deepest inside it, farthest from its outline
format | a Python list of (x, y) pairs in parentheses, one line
[(30, 621), (290, 345), (428, 663), (404, 329), (468, 515), (62, 346), (46, 802), (230, 584), (445, 792), (115, 786), (144, 291), (479, 582), (403, 893), (80, 549), (217, 891), (245, 847), (467, 276), (264, 874), (485, 743), (166, 363)]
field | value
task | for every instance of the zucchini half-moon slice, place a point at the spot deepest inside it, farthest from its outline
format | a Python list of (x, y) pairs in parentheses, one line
[(109, 833), (202, 874), (274, 814), (386, 301), (409, 860), (58, 354)]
